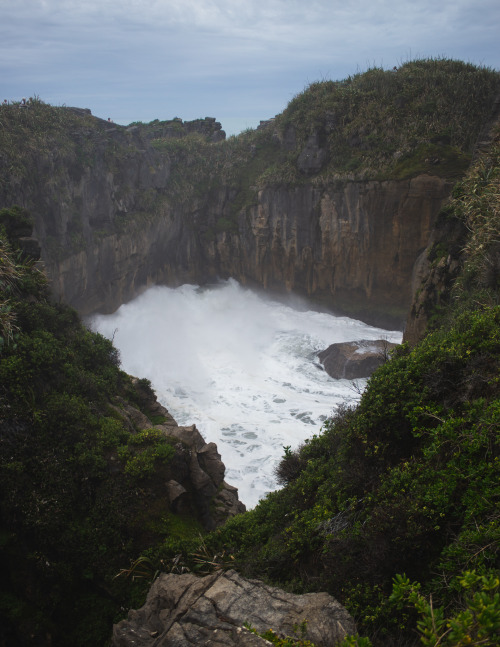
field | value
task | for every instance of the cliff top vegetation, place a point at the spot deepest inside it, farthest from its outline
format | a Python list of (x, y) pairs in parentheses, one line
[(424, 117)]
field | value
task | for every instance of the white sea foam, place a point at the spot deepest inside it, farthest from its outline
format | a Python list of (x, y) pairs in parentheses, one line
[(239, 365)]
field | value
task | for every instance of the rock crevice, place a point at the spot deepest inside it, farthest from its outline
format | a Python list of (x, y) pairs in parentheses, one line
[(185, 610)]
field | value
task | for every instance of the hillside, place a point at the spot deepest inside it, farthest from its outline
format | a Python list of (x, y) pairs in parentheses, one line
[(93, 470)]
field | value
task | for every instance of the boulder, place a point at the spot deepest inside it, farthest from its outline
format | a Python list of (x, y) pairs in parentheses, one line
[(354, 359), (185, 610)]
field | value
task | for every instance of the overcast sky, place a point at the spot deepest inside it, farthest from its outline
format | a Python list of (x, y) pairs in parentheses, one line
[(237, 60)]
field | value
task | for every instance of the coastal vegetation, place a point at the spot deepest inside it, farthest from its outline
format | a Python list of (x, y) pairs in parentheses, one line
[(393, 507), (405, 487), (77, 482)]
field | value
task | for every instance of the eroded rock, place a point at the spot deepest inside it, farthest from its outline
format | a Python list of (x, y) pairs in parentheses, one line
[(185, 610), (193, 480), (354, 359)]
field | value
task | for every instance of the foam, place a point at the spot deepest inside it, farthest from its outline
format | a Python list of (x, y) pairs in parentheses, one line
[(240, 366)]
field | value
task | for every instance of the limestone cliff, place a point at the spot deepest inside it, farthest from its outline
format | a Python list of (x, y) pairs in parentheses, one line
[(334, 199), (112, 226), (350, 245)]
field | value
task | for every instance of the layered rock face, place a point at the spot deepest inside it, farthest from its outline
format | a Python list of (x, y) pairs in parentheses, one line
[(350, 245), (111, 220), (185, 610)]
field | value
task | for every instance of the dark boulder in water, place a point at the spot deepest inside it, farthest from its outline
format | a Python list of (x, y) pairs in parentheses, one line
[(354, 359)]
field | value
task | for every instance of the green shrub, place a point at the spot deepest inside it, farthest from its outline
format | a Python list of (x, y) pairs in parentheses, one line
[(477, 623)]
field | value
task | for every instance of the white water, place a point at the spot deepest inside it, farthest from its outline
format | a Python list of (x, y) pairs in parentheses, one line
[(240, 366)]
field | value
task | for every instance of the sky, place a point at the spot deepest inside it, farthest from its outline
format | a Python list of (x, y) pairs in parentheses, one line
[(240, 61)]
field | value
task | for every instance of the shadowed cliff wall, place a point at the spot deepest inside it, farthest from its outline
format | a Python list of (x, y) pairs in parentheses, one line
[(334, 199)]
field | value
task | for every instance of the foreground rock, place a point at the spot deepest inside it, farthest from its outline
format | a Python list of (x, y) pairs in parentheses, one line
[(185, 610), (354, 359)]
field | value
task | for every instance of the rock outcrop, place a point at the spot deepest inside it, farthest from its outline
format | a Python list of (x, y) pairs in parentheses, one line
[(354, 359), (434, 273), (440, 263), (193, 481), (185, 610)]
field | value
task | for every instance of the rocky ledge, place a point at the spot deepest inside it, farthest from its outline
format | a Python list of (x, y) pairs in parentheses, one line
[(185, 610), (354, 359)]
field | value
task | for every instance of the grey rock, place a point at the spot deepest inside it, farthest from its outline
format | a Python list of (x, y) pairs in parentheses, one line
[(210, 460), (185, 610), (312, 156), (195, 480), (354, 359)]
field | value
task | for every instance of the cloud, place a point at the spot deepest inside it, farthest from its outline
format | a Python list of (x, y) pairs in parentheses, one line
[(229, 58)]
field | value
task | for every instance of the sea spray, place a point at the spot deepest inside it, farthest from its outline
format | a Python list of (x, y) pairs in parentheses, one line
[(239, 365)]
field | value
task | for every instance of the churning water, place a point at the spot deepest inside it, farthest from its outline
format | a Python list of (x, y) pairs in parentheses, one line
[(239, 365)]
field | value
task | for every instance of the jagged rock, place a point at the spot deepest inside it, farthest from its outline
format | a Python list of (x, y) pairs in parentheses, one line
[(185, 610), (138, 419), (210, 460), (178, 497), (193, 481), (190, 436), (226, 503), (354, 359)]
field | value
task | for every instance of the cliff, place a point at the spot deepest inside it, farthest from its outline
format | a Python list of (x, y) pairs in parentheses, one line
[(334, 199), (440, 264), (93, 472)]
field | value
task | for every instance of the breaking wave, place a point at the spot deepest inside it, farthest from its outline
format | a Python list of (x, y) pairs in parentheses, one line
[(239, 365)]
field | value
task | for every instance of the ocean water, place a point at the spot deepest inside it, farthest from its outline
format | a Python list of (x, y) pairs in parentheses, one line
[(239, 365)]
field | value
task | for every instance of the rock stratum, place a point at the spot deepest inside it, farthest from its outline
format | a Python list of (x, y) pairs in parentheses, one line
[(325, 204), (185, 610), (193, 481)]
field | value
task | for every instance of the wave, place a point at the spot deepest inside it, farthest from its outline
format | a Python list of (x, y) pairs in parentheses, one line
[(239, 365)]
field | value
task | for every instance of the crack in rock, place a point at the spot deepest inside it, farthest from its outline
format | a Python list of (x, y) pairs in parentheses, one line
[(185, 610)]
